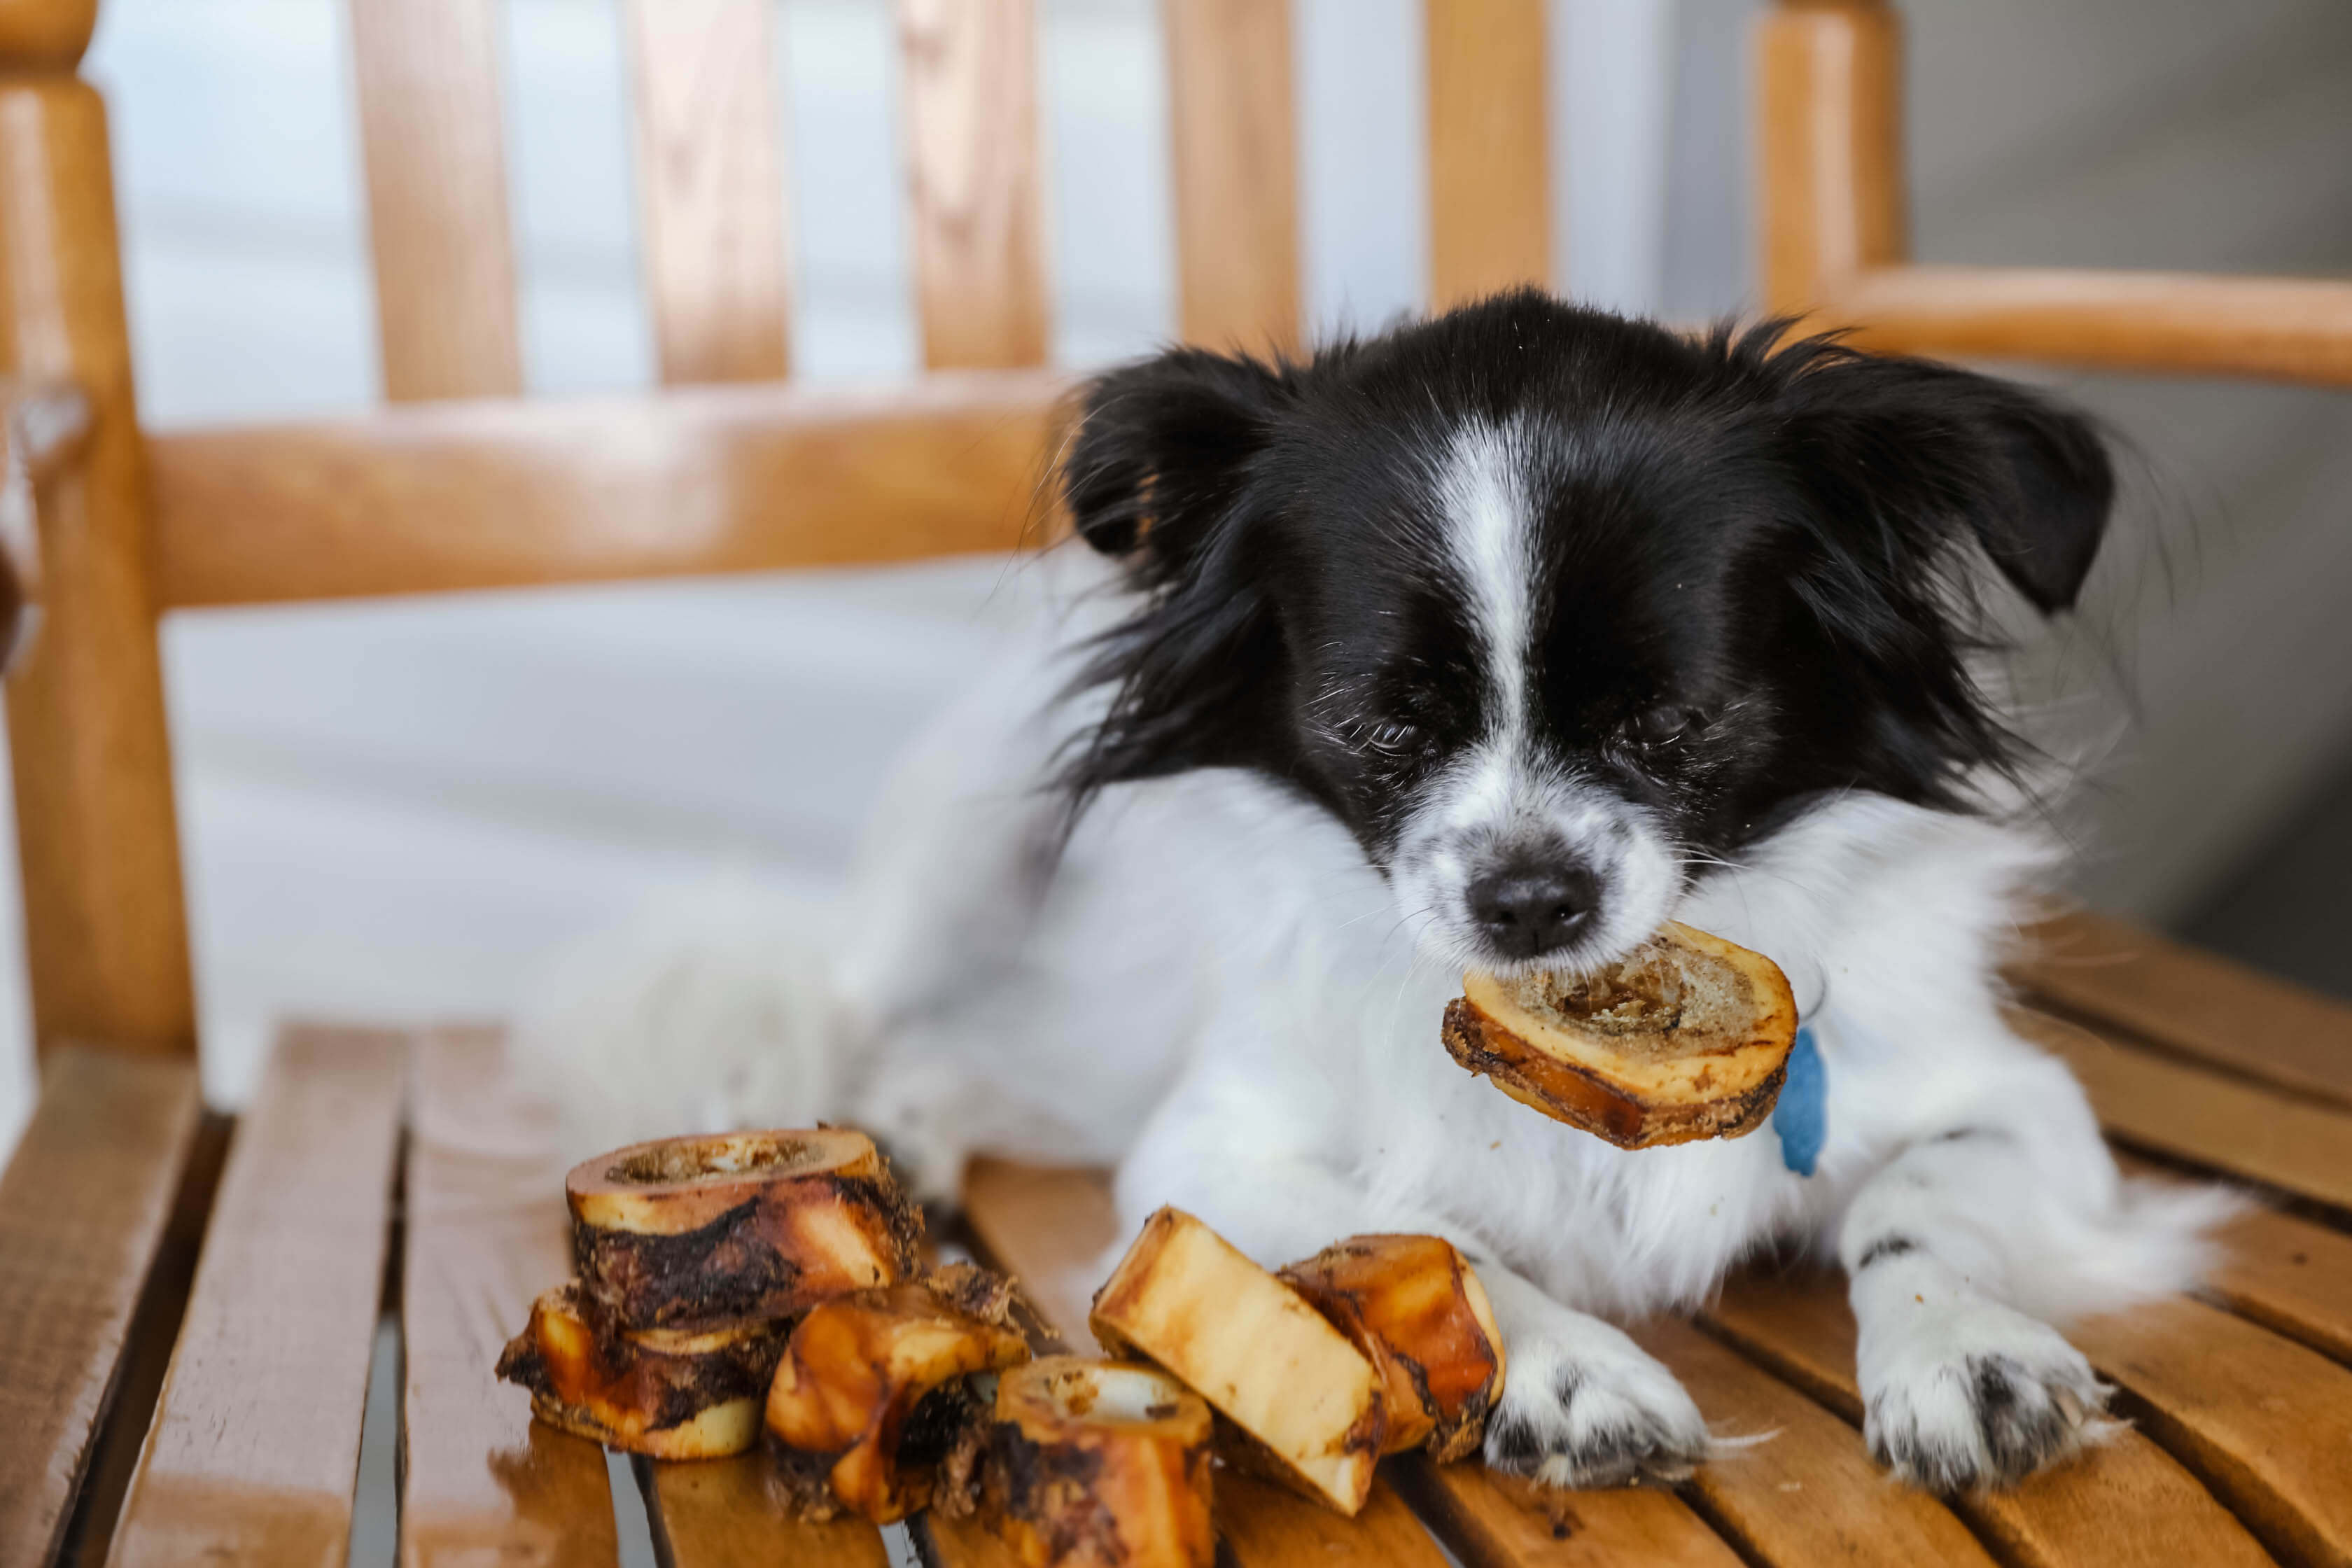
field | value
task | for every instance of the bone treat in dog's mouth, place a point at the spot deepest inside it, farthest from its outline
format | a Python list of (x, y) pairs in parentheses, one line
[(692, 1232), (1687, 1038)]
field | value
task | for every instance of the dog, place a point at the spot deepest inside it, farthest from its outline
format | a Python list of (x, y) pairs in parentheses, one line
[(1494, 640)]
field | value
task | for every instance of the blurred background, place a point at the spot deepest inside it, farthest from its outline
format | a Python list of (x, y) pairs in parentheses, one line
[(400, 810)]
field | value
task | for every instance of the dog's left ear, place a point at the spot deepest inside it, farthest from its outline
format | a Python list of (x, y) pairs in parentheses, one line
[(1921, 449)]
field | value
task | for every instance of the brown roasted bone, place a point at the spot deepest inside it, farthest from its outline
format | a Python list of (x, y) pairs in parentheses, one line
[(874, 1386), (1310, 1403), (1688, 1037), (1414, 1306), (1094, 1464), (690, 1233), (672, 1396)]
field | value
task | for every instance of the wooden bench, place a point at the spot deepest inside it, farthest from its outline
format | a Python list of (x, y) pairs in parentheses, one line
[(192, 1312), (381, 1177)]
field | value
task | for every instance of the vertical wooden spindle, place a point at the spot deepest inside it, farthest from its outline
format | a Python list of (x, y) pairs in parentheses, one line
[(710, 187), (436, 179), (1233, 139), (969, 85), (1489, 148), (105, 927), (1830, 95)]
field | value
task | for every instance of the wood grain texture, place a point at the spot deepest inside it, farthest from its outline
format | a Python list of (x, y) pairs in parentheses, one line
[(45, 35), (1492, 1522), (2124, 1503), (967, 89), (2291, 328), (436, 159), (482, 1481), (105, 923), (724, 1513), (710, 190), (2291, 1276), (1233, 142), (2267, 1423), (254, 1444), (1489, 148), (1830, 150), (2295, 1144), (2104, 972), (83, 1204), (1810, 1493), (508, 494)]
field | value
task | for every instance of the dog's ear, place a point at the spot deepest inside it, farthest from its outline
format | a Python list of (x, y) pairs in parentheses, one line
[(1162, 455), (1912, 453)]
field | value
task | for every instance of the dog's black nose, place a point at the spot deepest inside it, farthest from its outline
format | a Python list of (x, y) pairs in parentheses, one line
[(1524, 912)]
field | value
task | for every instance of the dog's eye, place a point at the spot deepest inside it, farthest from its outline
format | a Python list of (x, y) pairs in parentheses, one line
[(1395, 738), (1660, 726)]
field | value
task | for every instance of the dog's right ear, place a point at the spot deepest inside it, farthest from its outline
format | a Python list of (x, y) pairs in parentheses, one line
[(1164, 453)]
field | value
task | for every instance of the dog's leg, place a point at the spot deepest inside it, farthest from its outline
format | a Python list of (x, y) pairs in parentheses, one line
[(1960, 1389), (1582, 1404)]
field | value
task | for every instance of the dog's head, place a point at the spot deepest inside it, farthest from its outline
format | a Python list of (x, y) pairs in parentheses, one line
[(1555, 610)]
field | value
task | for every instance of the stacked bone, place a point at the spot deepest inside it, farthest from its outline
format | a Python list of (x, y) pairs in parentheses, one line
[(695, 1256)]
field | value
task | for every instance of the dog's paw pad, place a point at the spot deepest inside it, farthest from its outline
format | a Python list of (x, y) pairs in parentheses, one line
[(1596, 1415), (1979, 1396)]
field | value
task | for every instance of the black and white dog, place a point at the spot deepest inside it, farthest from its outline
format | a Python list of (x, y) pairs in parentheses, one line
[(1494, 641)]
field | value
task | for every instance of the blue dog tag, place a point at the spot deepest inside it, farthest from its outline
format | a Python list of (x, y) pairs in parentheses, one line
[(1802, 1116)]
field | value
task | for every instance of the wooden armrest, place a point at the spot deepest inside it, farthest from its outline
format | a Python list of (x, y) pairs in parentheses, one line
[(2293, 329), (43, 429)]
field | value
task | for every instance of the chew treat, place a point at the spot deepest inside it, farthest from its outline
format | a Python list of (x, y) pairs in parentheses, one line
[(874, 1386), (672, 1396), (1185, 1297), (1094, 1464), (689, 1233), (1420, 1316), (1687, 1038)]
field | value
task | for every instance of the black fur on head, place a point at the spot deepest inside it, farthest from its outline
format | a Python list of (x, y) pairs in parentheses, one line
[(1744, 564)]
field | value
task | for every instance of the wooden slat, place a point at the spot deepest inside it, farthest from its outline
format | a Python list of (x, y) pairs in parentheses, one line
[(969, 88), (486, 1231), (2292, 329), (2200, 1005), (2285, 1273), (710, 187), (2292, 1143), (105, 926), (2265, 1422), (1233, 142), (1489, 148), (1053, 1229), (1830, 148), (1810, 1494), (508, 494), (1494, 1523), (256, 1440), (725, 1515), (2125, 1502), (82, 1206), (436, 156)]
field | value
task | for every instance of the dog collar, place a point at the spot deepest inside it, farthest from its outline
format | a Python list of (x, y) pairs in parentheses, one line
[(1802, 1117)]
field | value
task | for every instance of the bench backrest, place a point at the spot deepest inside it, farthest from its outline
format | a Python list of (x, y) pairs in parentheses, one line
[(758, 474)]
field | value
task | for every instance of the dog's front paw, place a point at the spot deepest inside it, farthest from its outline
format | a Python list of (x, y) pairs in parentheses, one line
[(1969, 1394), (1585, 1406)]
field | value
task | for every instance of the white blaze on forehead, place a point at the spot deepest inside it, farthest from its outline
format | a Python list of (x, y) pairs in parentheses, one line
[(1483, 493)]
